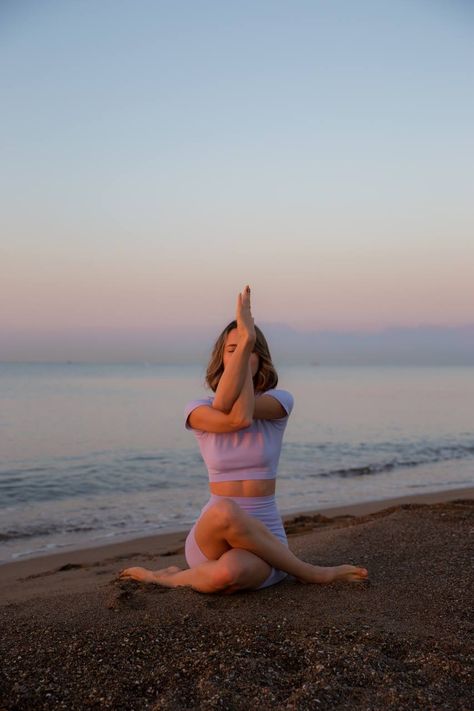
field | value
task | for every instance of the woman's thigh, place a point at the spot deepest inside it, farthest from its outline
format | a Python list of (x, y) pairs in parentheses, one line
[(211, 528), (209, 531), (248, 570)]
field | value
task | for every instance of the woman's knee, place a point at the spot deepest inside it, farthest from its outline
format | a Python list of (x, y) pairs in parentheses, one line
[(240, 569), (225, 574), (227, 512)]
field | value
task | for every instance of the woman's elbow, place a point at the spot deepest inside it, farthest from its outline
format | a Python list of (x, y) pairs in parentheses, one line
[(242, 422), (222, 408)]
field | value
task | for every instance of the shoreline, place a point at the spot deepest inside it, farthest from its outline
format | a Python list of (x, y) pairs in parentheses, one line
[(171, 543)]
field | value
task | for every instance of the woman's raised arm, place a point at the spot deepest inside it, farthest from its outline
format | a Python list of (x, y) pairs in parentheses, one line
[(233, 378), (208, 419), (243, 408)]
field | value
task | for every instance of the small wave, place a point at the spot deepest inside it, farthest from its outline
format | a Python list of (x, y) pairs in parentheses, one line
[(66, 480), (363, 470), (418, 456), (42, 530)]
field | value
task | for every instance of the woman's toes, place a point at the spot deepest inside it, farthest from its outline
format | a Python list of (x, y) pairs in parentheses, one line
[(352, 573), (137, 573), (360, 574)]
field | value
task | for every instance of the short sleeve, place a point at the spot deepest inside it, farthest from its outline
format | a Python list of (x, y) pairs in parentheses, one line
[(190, 406), (285, 399)]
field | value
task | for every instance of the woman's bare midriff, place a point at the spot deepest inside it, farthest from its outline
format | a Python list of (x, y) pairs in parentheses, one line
[(247, 487)]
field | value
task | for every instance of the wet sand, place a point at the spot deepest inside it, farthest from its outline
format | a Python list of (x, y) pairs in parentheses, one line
[(73, 637)]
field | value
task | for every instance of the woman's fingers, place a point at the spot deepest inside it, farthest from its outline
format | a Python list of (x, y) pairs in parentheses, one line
[(243, 298), (245, 321), (246, 296), (239, 306)]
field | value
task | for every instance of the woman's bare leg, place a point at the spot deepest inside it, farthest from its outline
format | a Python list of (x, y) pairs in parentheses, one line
[(144, 575), (226, 525), (208, 577)]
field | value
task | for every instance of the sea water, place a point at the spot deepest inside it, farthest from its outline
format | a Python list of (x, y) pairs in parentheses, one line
[(90, 454)]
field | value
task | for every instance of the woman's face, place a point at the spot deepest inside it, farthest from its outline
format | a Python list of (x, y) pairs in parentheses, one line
[(230, 346)]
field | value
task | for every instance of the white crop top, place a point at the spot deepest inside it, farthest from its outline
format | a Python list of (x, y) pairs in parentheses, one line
[(249, 453)]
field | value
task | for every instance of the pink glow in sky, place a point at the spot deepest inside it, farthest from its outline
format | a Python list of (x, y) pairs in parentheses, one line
[(321, 153)]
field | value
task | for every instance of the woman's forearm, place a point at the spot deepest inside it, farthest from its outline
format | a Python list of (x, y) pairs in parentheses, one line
[(243, 408), (233, 378)]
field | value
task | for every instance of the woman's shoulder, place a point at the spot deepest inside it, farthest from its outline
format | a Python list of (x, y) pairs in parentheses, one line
[(192, 404), (284, 397)]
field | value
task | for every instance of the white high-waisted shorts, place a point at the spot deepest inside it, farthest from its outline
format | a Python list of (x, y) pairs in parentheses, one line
[(262, 507)]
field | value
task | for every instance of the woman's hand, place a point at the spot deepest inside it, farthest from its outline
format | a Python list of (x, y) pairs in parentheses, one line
[(237, 364), (245, 323)]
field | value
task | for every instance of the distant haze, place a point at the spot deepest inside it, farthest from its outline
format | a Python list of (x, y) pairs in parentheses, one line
[(425, 345)]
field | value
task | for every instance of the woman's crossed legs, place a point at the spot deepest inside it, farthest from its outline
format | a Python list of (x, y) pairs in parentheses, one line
[(241, 552)]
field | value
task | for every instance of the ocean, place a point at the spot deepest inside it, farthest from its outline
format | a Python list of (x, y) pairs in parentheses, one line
[(91, 454)]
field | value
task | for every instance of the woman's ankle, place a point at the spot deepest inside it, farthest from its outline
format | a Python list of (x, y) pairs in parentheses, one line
[(318, 574)]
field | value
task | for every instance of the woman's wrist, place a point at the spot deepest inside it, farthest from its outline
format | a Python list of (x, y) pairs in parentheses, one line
[(244, 406), (247, 342), (233, 378)]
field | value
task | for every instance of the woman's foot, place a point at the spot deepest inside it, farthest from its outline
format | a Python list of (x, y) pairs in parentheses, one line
[(144, 575), (348, 573)]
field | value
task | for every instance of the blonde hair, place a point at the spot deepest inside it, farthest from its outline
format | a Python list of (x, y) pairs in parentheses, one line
[(266, 376)]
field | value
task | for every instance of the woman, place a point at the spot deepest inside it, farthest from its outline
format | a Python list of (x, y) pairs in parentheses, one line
[(238, 541)]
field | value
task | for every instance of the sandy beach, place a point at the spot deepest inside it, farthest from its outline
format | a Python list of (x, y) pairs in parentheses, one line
[(73, 637)]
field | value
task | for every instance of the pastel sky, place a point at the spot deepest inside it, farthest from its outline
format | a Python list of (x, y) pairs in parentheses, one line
[(157, 156)]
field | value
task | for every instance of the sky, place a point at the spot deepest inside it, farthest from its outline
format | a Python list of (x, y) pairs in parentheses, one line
[(158, 156)]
